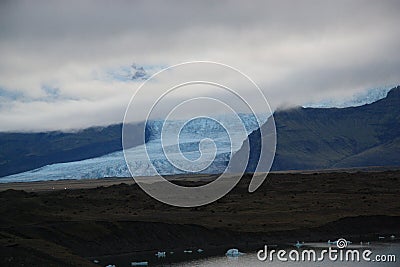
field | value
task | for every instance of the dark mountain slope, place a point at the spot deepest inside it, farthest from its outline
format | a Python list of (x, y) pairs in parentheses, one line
[(318, 138), (26, 151), (384, 155)]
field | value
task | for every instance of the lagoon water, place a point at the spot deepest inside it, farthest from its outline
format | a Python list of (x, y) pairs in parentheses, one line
[(250, 259)]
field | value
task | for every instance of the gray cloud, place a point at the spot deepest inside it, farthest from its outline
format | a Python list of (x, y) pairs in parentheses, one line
[(297, 51)]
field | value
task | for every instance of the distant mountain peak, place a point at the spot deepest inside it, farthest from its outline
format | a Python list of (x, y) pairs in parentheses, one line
[(138, 73)]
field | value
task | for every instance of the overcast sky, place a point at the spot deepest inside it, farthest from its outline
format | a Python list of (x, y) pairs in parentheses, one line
[(66, 65)]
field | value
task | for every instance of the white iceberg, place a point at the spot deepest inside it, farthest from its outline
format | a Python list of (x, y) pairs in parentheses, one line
[(233, 252), (160, 254), (299, 245), (140, 263)]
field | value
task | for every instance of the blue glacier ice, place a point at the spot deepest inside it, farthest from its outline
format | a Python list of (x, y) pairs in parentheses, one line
[(358, 99), (114, 165)]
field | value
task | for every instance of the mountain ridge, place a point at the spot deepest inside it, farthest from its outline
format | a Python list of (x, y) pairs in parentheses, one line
[(307, 138), (319, 138)]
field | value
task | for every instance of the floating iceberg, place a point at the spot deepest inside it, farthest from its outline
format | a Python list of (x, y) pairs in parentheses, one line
[(160, 254), (299, 245), (233, 252), (140, 263)]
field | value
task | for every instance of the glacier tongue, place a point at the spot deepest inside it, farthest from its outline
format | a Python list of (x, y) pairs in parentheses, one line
[(114, 165)]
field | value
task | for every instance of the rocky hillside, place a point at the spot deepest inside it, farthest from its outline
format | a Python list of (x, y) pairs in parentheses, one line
[(320, 138)]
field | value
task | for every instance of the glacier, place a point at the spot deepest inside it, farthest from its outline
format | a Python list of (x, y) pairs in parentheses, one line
[(155, 161), (358, 99)]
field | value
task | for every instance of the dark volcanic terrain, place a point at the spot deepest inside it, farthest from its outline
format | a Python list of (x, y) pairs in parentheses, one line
[(119, 222)]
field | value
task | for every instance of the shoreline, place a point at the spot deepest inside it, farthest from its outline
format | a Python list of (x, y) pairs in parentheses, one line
[(87, 183)]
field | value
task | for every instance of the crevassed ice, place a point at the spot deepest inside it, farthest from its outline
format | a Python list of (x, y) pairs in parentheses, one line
[(114, 165)]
